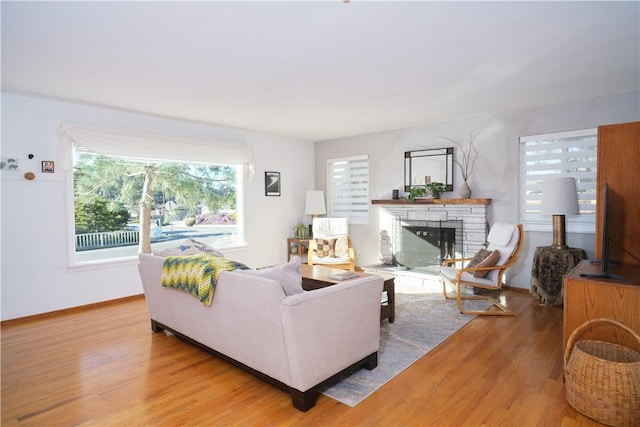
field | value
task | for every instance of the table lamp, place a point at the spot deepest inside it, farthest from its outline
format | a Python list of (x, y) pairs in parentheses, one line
[(314, 206), (559, 198)]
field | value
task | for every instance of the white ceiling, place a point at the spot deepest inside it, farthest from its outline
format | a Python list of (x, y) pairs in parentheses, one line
[(320, 70)]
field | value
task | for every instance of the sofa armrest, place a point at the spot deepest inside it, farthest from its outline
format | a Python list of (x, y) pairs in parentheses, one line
[(329, 329)]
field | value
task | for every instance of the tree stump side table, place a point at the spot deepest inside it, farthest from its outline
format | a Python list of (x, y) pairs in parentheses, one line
[(548, 271)]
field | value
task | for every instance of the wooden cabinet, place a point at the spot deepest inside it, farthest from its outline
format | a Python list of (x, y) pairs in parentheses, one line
[(586, 299), (618, 158)]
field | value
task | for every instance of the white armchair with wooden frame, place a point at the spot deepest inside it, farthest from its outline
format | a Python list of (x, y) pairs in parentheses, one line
[(486, 270), (331, 245)]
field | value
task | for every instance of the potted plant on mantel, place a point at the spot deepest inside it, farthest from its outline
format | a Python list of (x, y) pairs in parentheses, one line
[(435, 188), (415, 192)]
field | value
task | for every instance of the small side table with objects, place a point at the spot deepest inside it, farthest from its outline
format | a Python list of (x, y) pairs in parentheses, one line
[(298, 247), (548, 270)]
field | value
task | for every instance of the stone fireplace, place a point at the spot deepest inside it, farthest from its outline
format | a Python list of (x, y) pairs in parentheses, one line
[(422, 245), (417, 236)]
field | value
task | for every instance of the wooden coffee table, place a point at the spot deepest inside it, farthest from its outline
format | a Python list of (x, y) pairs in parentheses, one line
[(317, 276)]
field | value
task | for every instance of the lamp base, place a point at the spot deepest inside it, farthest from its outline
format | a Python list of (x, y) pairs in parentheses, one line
[(559, 234), (559, 247)]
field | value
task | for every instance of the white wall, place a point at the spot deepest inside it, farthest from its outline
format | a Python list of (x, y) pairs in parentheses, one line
[(33, 260), (496, 173), (35, 277)]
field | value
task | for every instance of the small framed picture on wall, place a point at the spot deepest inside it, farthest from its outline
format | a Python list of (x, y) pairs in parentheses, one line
[(48, 166), (272, 183)]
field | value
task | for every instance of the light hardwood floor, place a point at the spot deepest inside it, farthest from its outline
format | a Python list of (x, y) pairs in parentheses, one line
[(104, 366)]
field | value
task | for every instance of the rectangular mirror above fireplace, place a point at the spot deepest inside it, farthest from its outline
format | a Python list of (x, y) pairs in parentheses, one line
[(429, 165)]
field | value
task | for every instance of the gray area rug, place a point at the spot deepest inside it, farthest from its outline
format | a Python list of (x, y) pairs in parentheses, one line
[(424, 319)]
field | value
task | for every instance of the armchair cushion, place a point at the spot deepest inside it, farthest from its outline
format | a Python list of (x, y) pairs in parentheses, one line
[(330, 227), (496, 240), (451, 273), (331, 244), (331, 260), (501, 233)]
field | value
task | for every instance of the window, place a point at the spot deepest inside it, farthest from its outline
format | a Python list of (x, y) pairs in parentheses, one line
[(198, 180), (348, 188), (566, 154)]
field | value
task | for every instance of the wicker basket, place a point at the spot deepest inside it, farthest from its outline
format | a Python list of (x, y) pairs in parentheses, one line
[(602, 379)]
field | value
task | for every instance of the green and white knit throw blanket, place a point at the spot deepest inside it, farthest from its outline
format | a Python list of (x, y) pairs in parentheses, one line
[(196, 274)]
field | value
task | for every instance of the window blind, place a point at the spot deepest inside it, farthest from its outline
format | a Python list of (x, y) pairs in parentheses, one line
[(566, 154), (148, 147), (348, 188)]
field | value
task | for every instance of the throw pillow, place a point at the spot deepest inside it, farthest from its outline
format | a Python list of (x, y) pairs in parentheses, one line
[(341, 247), (288, 275), (169, 252), (478, 258), (484, 258), (189, 247), (325, 248), (200, 246)]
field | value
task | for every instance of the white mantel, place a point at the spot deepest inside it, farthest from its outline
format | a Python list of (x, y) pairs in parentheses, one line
[(472, 213)]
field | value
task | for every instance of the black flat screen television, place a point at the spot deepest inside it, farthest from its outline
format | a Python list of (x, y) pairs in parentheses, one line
[(605, 262)]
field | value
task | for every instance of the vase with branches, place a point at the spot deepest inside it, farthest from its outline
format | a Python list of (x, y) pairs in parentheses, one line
[(466, 161)]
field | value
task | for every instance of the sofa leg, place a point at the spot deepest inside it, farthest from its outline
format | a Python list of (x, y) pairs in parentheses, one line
[(155, 326), (304, 400), (371, 361)]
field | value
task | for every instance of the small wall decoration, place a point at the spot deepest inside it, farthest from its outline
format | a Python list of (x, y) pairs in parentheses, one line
[(48, 166), (272, 183), (9, 164)]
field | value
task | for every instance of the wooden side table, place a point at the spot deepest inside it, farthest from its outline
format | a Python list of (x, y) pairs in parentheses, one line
[(298, 247), (548, 271)]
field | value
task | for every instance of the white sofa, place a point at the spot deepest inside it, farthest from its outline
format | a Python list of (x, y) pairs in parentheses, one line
[(297, 342)]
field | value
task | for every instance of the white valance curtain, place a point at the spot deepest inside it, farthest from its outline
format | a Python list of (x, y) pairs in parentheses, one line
[(149, 147)]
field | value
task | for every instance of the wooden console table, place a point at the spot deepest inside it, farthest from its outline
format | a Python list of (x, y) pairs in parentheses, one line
[(586, 299), (317, 276)]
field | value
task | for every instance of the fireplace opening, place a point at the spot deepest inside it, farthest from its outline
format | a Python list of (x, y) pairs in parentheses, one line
[(423, 245)]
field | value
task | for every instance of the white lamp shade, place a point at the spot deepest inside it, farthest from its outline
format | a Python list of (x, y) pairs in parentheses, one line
[(560, 197), (314, 203)]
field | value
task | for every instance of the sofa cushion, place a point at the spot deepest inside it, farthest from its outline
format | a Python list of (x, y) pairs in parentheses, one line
[(288, 275), (189, 247), (325, 248)]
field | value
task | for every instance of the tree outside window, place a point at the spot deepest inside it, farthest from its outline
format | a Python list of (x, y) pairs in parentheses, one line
[(115, 199)]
